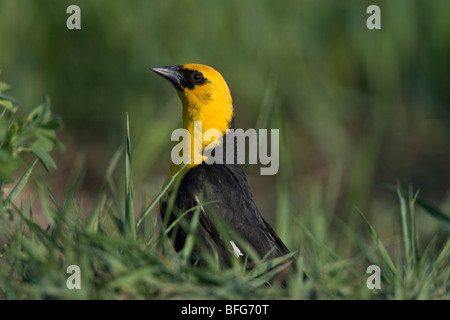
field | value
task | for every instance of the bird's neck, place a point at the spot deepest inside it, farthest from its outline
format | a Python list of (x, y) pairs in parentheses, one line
[(204, 122)]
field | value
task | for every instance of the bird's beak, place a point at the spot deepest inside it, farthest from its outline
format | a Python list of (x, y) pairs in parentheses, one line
[(171, 73)]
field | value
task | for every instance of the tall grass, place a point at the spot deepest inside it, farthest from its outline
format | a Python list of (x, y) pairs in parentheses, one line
[(122, 257)]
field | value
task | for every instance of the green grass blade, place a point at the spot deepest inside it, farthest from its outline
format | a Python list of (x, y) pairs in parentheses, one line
[(113, 163), (110, 181), (434, 211), (160, 195), (405, 226), (429, 207), (444, 256), (92, 224), (284, 179), (376, 239), (191, 236), (267, 105), (22, 182), (414, 234), (129, 202), (181, 216), (155, 201)]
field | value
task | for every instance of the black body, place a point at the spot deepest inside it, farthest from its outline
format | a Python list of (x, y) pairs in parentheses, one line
[(225, 188)]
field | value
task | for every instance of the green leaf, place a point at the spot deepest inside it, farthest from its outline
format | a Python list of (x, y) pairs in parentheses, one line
[(4, 86), (8, 164), (4, 128), (35, 118), (8, 105), (44, 157), (52, 124), (21, 183), (8, 98)]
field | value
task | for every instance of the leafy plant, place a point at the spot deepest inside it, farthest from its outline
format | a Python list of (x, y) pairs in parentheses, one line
[(34, 134)]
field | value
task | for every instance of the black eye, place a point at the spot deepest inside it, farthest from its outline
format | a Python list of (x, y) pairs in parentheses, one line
[(197, 76)]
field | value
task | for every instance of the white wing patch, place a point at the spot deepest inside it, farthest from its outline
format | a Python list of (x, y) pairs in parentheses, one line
[(236, 251), (201, 207)]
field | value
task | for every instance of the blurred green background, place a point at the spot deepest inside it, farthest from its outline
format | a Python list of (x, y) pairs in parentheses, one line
[(356, 107)]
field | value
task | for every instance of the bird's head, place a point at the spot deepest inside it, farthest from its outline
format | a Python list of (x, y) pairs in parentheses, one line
[(204, 94)]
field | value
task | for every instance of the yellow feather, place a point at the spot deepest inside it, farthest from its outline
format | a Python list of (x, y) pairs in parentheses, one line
[(209, 103)]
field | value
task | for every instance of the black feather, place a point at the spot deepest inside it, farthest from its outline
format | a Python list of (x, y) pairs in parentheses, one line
[(225, 188)]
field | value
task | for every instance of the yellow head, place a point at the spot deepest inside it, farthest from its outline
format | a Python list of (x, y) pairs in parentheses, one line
[(205, 97)]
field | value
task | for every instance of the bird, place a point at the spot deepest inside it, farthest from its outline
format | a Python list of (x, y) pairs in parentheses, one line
[(220, 190)]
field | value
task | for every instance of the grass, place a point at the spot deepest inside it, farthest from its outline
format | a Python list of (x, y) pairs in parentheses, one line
[(123, 253), (355, 108)]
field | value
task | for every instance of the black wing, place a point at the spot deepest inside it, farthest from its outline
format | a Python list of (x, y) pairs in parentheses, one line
[(225, 188)]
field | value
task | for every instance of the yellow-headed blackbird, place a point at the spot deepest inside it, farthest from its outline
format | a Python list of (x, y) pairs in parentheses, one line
[(206, 97)]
